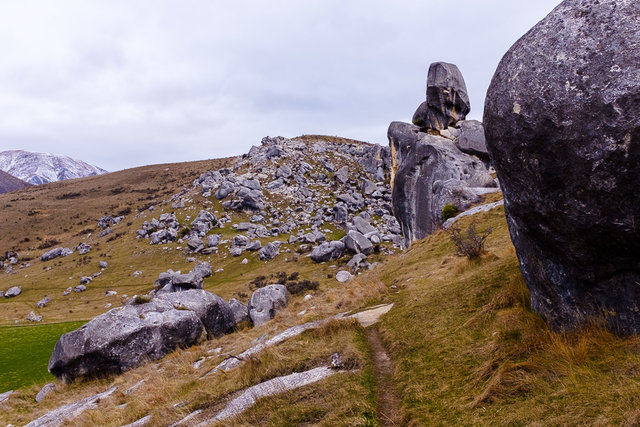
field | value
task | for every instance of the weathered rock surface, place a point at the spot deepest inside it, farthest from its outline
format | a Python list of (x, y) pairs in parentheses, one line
[(124, 338), (266, 302), (67, 413), (447, 100), (214, 313), (240, 311), (328, 251), (431, 172), (44, 391), (562, 120), (471, 139)]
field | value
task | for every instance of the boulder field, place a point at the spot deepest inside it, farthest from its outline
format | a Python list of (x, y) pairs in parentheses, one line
[(562, 121)]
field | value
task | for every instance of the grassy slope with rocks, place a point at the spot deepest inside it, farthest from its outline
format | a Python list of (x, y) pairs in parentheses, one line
[(465, 346)]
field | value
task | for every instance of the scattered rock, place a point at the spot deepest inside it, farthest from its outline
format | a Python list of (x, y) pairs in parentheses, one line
[(44, 391), (103, 264), (328, 251), (269, 251), (336, 361), (563, 130), (83, 249), (55, 253), (266, 302), (80, 288), (356, 243), (13, 292), (43, 302), (33, 317), (343, 276)]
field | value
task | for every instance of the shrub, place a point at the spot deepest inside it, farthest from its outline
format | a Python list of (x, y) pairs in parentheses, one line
[(125, 211), (449, 211), (141, 299), (469, 243), (48, 243), (298, 287)]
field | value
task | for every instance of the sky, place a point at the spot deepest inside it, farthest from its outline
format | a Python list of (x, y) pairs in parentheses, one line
[(125, 83)]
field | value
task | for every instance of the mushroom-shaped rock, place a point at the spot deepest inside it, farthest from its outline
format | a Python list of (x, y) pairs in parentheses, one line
[(562, 120), (266, 302), (447, 100)]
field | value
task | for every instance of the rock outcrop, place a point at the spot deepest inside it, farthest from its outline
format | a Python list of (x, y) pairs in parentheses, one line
[(562, 118), (447, 100), (431, 173)]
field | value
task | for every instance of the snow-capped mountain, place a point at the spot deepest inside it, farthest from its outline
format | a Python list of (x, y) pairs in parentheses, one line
[(40, 168)]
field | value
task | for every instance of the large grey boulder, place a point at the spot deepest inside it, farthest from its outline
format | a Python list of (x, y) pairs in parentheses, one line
[(214, 313), (328, 251), (266, 302), (356, 243), (447, 100), (123, 338), (562, 120), (269, 251), (430, 172), (55, 253)]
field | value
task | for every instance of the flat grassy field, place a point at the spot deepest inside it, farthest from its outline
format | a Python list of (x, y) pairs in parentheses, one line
[(25, 352)]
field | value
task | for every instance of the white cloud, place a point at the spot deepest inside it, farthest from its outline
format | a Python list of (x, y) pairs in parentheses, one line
[(128, 83)]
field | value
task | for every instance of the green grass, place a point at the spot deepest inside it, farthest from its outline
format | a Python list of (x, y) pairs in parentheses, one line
[(25, 352)]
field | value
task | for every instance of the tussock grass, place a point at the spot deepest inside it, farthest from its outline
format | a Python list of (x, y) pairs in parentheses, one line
[(470, 351)]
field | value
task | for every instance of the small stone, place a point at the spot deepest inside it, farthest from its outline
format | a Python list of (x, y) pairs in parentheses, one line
[(343, 276), (33, 317), (45, 391), (13, 292), (336, 361)]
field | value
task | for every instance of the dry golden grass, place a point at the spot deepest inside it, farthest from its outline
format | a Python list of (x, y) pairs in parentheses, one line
[(470, 351)]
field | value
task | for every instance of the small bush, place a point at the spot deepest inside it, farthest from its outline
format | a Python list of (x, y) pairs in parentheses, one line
[(125, 211), (141, 299), (185, 232), (449, 211), (469, 243), (48, 243), (298, 287), (67, 196)]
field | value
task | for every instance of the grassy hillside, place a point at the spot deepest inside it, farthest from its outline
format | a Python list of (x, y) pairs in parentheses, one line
[(465, 347)]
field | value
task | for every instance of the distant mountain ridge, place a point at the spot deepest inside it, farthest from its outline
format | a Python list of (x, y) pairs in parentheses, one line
[(40, 168), (10, 183)]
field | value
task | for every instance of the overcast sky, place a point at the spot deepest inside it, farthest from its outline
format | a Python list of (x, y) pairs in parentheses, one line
[(129, 83)]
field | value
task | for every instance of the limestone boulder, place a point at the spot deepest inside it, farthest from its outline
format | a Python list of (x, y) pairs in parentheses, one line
[(266, 302), (123, 338), (562, 121)]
